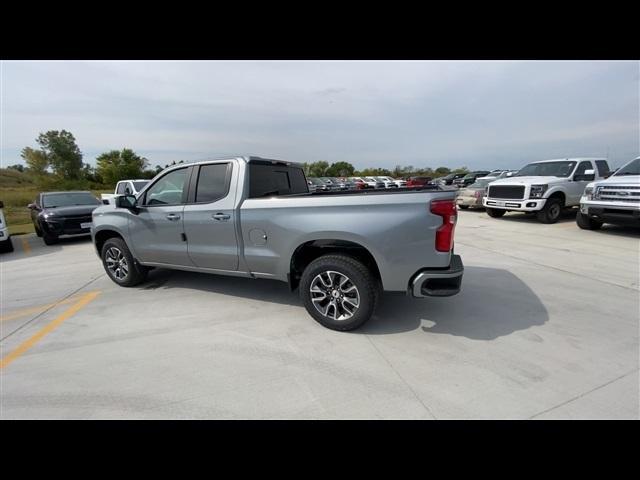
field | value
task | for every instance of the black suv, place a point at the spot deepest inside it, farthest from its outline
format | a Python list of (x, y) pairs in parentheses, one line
[(470, 178), (62, 213)]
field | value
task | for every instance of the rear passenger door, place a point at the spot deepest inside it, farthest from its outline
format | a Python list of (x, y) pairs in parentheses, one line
[(209, 216), (575, 188)]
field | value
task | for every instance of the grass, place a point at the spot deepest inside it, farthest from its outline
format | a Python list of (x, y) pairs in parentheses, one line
[(15, 209)]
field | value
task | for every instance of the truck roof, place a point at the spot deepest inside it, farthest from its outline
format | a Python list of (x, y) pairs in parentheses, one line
[(244, 158), (576, 159)]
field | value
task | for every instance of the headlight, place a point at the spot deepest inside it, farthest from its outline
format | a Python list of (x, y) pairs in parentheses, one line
[(537, 191), (588, 191)]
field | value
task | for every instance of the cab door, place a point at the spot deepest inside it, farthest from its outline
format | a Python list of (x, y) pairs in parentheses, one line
[(578, 183), (210, 217), (156, 230)]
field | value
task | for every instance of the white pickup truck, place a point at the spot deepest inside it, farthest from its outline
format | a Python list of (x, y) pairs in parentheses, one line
[(614, 200), (544, 187), (124, 187)]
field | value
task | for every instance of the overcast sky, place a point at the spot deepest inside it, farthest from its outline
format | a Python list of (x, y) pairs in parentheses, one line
[(479, 114)]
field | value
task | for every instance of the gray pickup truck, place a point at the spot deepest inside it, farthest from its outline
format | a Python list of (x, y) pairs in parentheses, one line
[(254, 217)]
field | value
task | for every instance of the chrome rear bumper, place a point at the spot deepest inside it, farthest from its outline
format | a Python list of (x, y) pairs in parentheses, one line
[(438, 282)]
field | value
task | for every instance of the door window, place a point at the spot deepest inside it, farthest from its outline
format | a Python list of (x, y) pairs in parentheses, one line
[(168, 190), (212, 183), (121, 187), (583, 167)]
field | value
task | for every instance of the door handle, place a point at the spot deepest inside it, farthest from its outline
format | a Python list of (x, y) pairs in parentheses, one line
[(221, 216), (173, 216)]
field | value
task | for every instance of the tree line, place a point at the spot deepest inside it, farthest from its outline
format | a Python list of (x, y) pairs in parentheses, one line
[(57, 163)]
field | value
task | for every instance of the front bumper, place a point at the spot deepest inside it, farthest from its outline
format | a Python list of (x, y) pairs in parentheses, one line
[(59, 228), (437, 282), (526, 205), (611, 212)]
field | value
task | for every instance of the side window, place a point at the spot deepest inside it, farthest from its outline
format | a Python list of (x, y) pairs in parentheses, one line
[(120, 189), (168, 190), (583, 167), (127, 188), (212, 183), (603, 168)]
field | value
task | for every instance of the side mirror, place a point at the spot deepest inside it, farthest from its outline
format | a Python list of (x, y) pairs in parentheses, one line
[(32, 206), (588, 176), (128, 202), (510, 174)]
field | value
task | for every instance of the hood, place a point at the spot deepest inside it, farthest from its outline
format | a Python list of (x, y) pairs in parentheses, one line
[(70, 211), (529, 181), (622, 180)]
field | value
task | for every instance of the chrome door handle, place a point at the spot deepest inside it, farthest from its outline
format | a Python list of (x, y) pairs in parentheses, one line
[(173, 216), (221, 216)]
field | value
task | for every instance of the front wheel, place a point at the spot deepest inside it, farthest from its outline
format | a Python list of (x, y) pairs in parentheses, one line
[(495, 212), (339, 292), (49, 239), (120, 264), (586, 223), (551, 211), (6, 246), (463, 207)]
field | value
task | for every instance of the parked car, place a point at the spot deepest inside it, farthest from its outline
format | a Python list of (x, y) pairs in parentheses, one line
[(317, 185), (338, 184), (388, 182), (252, 217), (615, 199), (448, 179), (373, 182), (469, 178), (348, 184), (55, 214), (124, 187), (544, 187), (359, 183), (5, 237), (418, 181), (472, 195)]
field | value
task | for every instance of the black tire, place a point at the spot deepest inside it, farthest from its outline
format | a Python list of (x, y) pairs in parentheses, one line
[(6, 246), (586, 223), (463, 207), (357, 274), (551, 211), (134, 274), (49, 239), (495, 212), (38, 231)]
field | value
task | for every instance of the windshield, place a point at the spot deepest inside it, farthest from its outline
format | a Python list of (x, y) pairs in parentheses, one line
[(139, 185), (547, 169), (481, 183), (631, 168), (53, 200)]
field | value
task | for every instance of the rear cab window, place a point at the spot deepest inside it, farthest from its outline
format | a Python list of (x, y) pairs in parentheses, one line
[(603, 168), (267, 179)]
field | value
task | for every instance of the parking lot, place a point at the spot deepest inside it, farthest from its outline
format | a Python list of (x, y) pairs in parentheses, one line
[(546, 326)]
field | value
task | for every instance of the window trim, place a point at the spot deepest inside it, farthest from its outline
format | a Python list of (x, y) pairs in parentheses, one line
[(195, 176), (575, 171), (185, 189)]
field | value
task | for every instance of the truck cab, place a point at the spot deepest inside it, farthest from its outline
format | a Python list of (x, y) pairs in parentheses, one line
[(545, 187), (613, 200)]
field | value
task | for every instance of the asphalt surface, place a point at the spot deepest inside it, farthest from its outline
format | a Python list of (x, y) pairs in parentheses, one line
[(546, 326)]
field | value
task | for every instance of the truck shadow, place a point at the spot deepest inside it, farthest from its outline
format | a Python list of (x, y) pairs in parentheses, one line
[(567, 215), (492, 303)]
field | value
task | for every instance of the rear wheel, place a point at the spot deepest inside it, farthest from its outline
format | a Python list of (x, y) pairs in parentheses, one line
[(495, 212), (551, 211), (120, 264), (587, 223), (6, 246), (339, 292)]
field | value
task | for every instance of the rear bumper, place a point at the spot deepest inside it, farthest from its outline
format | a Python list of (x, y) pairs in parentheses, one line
[(438, 282)]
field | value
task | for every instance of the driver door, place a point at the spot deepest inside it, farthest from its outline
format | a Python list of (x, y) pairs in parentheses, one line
[(157, 230)]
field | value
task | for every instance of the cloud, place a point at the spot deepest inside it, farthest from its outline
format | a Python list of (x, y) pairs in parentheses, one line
[(371, 113)]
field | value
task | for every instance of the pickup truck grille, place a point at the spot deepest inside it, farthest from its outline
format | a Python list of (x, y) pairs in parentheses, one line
[(618, 193), (506, 191)]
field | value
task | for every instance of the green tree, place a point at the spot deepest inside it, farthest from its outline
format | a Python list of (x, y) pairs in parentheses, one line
[(318, 169), (62, 153), (340, 169), (36, 160), (117, 165), (18, 166), (442, 171)]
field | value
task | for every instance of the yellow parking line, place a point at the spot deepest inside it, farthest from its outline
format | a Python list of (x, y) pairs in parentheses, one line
[(27, 311), (27, 344), (25, 245)]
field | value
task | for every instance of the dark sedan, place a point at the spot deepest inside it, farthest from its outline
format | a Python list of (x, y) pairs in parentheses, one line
[(62, 213)]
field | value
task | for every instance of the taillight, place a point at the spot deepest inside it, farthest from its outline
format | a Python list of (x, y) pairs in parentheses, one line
[(444, 234)]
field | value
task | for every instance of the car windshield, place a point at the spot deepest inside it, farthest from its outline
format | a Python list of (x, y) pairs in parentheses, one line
[(631, 168), (54, 200), (547, 169), (139, 185), (481, 182)]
